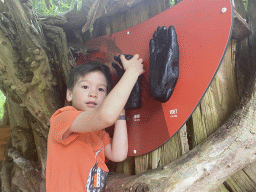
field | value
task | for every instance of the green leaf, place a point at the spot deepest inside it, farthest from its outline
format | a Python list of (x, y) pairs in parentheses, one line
[(55, 6), (2, 103), (64, 5)]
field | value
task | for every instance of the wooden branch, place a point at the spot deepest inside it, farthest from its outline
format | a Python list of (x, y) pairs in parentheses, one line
[(5, 176), (56, 41), (241, 29), (3, 7), (30, 173), (204, 168)]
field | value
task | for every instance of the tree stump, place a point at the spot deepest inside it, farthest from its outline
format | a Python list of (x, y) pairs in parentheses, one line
[(33, 70)]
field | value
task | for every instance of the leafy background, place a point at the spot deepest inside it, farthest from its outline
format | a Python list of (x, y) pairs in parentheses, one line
[(54, 7)]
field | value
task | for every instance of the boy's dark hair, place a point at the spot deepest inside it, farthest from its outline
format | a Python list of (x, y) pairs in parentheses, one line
[(82, 70)]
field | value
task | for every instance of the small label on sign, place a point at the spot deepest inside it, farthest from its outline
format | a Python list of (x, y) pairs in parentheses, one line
[(173, 113), (136, 117)]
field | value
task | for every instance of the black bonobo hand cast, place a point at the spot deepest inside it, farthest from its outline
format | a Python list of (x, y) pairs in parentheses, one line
[(163, 63), (134, 100)]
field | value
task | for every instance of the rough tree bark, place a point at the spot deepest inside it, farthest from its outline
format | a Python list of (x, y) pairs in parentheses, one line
[(35, 58)]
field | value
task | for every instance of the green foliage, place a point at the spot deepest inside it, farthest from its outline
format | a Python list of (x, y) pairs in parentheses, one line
[(245, 4), (2, 102), (172, 3), (54, 7)]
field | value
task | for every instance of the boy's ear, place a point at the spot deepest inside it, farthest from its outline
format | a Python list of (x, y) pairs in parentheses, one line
[(69, 95)]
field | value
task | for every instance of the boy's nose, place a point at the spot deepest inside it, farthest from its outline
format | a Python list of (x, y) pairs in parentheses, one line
[(93, 94)]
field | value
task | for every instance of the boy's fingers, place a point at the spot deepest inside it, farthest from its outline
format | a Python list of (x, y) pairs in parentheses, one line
[(136, 56), (122, 57)]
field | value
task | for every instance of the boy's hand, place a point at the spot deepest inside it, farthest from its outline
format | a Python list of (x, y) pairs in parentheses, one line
[(120, 70), (133, 64), (134, 101)]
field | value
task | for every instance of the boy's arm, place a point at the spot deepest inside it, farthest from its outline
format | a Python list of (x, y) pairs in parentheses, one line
[(118, 149), (108, 113)]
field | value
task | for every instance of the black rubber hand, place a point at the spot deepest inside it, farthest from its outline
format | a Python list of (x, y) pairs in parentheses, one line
[(134, 100), (163, 63)]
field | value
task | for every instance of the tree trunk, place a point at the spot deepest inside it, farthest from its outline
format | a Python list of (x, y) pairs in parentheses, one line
[(35, 61)]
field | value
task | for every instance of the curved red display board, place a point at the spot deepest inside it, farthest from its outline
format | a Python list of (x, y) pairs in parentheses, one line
[(203, 30)]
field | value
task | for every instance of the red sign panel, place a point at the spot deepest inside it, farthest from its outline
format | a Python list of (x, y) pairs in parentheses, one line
[(203, 30)]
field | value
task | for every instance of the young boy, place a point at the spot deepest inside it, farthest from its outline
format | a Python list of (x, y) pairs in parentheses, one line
[(77, 141)]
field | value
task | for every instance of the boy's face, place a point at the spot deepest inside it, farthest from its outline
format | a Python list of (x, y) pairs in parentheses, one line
[(88, 92)]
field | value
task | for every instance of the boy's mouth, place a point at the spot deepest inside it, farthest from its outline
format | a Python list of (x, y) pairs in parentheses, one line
[(91, 104)]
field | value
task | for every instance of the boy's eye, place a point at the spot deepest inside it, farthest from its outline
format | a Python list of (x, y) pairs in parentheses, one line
[(101, 89), (85, 87)]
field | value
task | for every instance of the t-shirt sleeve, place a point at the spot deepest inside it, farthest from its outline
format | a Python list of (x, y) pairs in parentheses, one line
[(61, 121), (106, 138)]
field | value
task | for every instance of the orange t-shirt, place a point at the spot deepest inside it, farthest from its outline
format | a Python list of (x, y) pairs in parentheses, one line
[(77, 163)]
